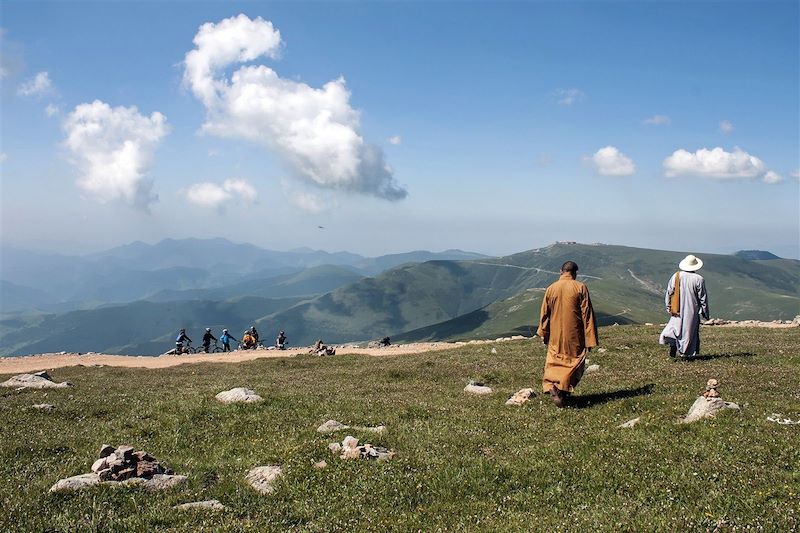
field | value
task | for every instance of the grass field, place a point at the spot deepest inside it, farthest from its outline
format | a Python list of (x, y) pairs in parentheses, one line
[(463, 462)]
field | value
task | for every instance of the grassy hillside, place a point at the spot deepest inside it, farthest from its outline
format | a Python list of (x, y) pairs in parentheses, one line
[(626, 284), (463, 463), (146, 328)]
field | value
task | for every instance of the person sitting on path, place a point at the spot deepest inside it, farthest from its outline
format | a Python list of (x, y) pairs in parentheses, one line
[(568, 328), (686, 299), (280, 342)]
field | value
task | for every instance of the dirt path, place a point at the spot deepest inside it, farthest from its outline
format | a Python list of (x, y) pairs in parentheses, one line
[(32, 363)]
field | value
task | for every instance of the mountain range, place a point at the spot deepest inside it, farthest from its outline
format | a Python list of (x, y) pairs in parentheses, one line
[(345, 297)]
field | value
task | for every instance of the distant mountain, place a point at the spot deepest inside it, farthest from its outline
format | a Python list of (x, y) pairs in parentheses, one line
[(138, 270), (449, 299), (756, 255)]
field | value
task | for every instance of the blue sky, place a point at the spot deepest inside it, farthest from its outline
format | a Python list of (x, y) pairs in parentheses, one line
[(506, 126)]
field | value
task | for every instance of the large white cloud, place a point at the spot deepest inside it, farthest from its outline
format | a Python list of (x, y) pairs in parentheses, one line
[(314, 130), (207, 194), (113, 149), (609, 161), (39, 85), (714, 163)]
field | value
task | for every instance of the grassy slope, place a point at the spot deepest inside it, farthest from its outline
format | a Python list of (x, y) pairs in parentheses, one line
[(464, 463)]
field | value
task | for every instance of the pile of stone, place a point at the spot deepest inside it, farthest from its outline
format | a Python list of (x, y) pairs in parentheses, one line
[(794, 323), (122, 466), (121, 463), (351, 449), (708, 404), (39, 380)]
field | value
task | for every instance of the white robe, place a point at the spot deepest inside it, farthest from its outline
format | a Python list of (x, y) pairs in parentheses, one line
[(684, 331)]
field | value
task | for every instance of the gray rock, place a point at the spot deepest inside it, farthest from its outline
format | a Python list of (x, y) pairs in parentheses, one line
[(43, 406), (262, 478), (478, 389), (706, 408), (238, 395), (156, 483), (592, 368), (124, 452), (601, 350), (630, 423), (331, 426), (106, 450), (34, 381), (206, 505), (75, 483), (320, 465), (520, 397)]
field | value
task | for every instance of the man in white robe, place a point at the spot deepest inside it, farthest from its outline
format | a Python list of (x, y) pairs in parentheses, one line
[(686, 300)]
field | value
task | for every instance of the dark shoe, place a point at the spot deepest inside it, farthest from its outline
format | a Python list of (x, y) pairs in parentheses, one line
[(673, 350), (557, 395)]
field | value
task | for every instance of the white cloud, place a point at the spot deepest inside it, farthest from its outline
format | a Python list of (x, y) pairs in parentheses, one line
[(609, 161), (51, 110), (37, 86), (207, 194), (658, 120), (569, 96), (726, 126), (314, 130), (3, 157), (715, 163), (113, 149), (795, 173), (772, 177), (395, 139)]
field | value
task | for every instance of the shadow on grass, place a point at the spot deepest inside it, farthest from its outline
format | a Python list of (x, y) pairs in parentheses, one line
[(726, 355), (589, 400)]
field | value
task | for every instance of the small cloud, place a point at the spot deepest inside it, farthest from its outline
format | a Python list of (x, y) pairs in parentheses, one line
[(715, 163), (51, 110), (37, 86), (726, 126), (207, 194), (569, 96), (772, 177), (658, 120), (609, 161), (795, 173), (395, 139), (3, 157)]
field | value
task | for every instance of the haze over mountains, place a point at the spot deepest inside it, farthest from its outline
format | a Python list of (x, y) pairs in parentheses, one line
[(132, 299)]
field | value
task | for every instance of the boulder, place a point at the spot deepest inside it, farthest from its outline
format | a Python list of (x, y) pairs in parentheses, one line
[(331, 426), (520, 397), (238, 395), (40, 380), (707, 408), (478, 389), (206, 505), (630, 423), (262, 478), (75, 483)]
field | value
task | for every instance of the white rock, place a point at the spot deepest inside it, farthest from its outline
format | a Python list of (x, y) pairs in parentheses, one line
[(592, 368), (262, 478), (780, 419), (156, 483), (320, 465), (335, 447), (706, 408), (494, 350), (349, 442), (206, 505), (331, 426), (478, 389), (43, 406), (630, 423), (40, 380), (601, 350), (76, 483), (238, 395), (520, 397)]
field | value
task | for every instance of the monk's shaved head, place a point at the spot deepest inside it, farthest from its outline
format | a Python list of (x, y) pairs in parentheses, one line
[(569, 266)]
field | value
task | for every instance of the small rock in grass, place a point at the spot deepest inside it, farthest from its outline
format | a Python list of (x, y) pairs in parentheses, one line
[(331, 426), (43, 407), (262, 478), (630, 423), (335, 447), (592, 368), (238, 395), (494, 350), (477, 389), (601, 350), (206, 505), (707, 408), (320, 465), (520, 397)]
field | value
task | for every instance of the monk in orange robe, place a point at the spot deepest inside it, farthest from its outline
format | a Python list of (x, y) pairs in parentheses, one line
[(568, 328)]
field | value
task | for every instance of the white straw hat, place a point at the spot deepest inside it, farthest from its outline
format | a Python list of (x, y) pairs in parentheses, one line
[(690, 263)]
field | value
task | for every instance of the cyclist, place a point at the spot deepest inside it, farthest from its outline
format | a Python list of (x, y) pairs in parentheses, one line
[(207, 337), (248, 341), (226, 339), (280, 342), (254, 333), (182, 337)]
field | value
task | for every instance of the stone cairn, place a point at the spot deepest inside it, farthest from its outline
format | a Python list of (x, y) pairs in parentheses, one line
[(351, 449), (121, 463), (708, 404), (711, 389)]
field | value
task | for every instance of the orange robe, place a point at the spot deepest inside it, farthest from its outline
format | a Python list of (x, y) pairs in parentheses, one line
[(568, 327)]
